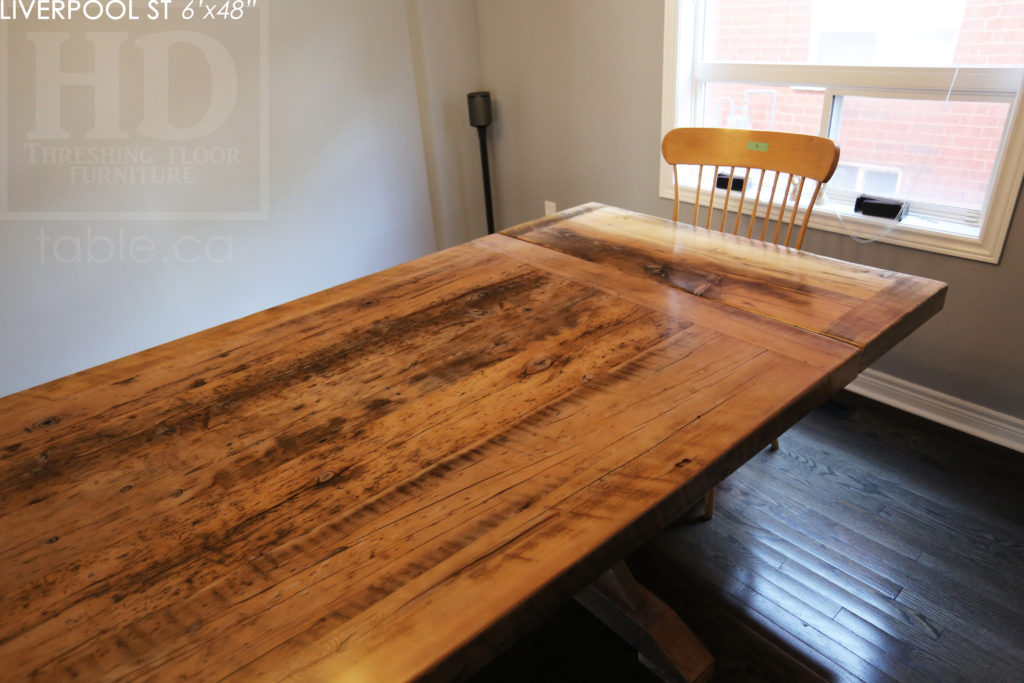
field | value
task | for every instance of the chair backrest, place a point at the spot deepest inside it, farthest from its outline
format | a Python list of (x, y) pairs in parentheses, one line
[(794, 157)]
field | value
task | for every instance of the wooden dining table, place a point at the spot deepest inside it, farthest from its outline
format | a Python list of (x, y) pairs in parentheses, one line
[(397, 477)]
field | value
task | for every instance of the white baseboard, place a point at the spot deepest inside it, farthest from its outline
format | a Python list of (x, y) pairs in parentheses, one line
[(985, 423)]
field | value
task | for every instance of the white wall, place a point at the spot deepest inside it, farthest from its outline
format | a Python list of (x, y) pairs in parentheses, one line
[(348, 196)]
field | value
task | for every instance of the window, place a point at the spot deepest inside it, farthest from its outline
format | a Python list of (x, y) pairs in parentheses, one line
[(923, 98)]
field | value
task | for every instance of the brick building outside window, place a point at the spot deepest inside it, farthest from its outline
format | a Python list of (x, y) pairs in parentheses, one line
[(923, 99)]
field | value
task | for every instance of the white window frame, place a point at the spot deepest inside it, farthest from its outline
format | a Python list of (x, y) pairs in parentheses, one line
[(683, 48)]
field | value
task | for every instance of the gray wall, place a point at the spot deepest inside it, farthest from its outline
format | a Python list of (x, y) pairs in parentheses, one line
[(579, 85), (373, 162), (348, 196), (446, 51)]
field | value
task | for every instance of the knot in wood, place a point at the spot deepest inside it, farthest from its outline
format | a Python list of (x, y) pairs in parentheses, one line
[(536, 365), (325, 477)]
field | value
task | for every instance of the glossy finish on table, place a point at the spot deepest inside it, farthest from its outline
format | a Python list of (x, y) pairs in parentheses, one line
[(394, 477)]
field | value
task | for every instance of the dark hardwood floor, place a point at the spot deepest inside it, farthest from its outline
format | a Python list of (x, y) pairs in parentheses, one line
[(872, 546)]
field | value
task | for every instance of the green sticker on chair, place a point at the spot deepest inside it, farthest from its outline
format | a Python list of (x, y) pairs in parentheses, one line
[(757, 146)]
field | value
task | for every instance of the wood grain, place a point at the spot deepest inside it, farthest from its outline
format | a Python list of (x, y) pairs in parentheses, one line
[(843, 300), (389, 479), (665, 644)]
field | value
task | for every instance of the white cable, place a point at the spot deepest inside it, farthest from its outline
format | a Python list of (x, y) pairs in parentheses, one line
[(913, 182)]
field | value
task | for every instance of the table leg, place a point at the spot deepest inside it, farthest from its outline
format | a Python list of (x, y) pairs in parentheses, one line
[(709, 505), (666, 645)]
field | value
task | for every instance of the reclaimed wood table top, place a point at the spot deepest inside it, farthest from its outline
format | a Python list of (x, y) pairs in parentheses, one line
[(394, 477)]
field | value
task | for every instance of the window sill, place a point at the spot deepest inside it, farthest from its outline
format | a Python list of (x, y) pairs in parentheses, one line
[(915, 232)]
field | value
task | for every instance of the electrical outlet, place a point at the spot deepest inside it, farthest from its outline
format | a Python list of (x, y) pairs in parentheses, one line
[(550, 208)]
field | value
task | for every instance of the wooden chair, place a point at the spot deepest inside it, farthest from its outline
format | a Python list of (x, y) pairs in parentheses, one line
[(779, 164), (787, 157)]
